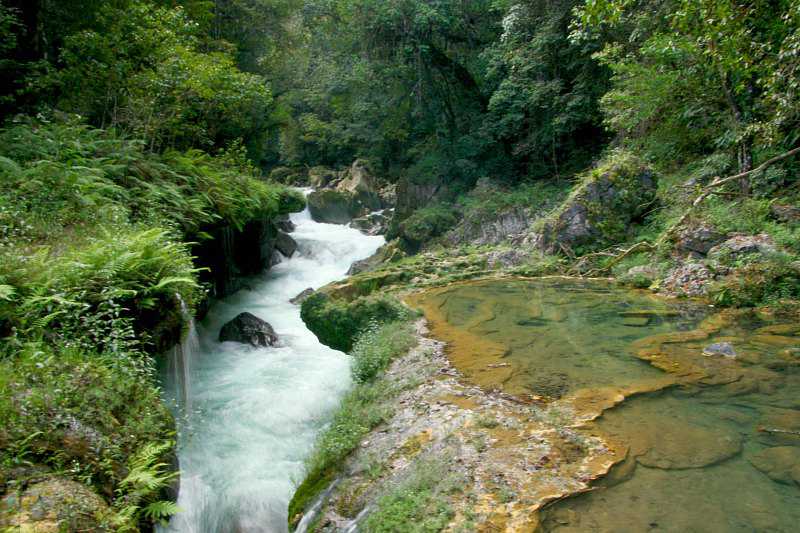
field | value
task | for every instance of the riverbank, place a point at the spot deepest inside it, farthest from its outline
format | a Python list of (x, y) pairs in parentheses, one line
[(499, 457)]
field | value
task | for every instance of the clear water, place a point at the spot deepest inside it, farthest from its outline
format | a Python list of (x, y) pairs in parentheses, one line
[(252, 414), (716, 449)]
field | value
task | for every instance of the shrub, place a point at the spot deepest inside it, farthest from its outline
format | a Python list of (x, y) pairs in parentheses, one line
[(759, 283), (426, 223)]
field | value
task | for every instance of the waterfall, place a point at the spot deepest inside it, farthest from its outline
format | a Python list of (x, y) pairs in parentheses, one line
[(181, 356), (256, 412)]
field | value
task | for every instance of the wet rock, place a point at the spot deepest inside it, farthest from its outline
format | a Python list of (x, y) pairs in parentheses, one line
[(697, 239), (688, 279), (601, 210), (53, 505), (288, 175), (741, 244), (781, 464), (359, 182), (247, 328), (388, 253), (724, 349), (302, 297), (285, 244), (284, 223), (333, 207), (375, 223)]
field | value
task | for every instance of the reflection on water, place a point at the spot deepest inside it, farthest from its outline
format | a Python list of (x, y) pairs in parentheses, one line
[(713, 445)]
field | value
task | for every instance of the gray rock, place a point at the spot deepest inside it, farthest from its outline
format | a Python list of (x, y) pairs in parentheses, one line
[(741, 244), (646, 271), (688, 279), (507, 258), (720, 348), (601, 209), (302, 297), (285, 224), (285, 244), (697, 239), (247, 328), (503, 227), (375, 223)]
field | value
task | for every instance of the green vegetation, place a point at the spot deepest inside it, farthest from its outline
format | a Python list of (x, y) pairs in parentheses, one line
[(420, 503), (366, 406), (338, 323)]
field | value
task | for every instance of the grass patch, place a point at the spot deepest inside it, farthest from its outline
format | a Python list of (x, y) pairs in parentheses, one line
[(361, 409), (421, 503)]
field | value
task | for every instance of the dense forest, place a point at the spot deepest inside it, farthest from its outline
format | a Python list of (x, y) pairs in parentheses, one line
[(139, 136)]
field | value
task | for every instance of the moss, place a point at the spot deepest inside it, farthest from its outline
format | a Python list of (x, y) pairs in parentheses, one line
[(337, 322), (759, 283), (426, 224)]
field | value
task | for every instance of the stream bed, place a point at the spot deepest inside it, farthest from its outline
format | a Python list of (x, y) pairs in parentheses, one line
[(248, 417)]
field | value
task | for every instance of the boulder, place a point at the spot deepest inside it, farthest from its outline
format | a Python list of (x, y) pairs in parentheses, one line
[(697, 239), (781, 464), (285, 244), (375, 223), (600, 209), (507, 258), (333, 207), (302, 297), (741, 244), (288, 176), (53, 505), (319, 177), (284, 223), (360, 183), (501, 227), (247, 328)]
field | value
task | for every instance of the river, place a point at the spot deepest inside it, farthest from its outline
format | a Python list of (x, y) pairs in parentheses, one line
[(248, 417)]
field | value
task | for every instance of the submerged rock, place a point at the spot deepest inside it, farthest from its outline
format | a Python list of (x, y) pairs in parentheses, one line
[(247, 328), (302, 297), (55, 504), (781, 464), (285, 244), (720, 348)]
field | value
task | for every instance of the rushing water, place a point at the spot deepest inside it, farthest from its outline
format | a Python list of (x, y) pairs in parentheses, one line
[(713, 442), (250, 416)]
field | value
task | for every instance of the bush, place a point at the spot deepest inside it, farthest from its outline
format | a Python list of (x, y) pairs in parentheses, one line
[(759, 283)]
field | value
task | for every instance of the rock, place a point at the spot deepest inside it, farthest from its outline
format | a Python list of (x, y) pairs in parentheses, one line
[(720, 348), (781, 464), (285, 244), (388, 253), (789, 214), (285, 224), (302, 297), (333, 207), (53, 505), (361, 185), (601, 209), (248, 329), (697, 239), (288, 176), (502, 227), (648, 272), (375, 223), (740, 244), (319, 177), (688, 279), (507, 258)]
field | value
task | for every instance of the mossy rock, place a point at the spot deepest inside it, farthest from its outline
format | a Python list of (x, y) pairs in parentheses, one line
[(334, 207), (337, 322), (601, 209), (53, 505)]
